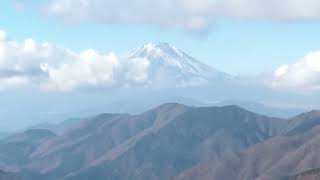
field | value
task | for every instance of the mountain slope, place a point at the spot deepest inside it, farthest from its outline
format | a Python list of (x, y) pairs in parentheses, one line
[(303, 122), (15, 150), (170, 67), (193, 137), (313, 174), (8, 176), (96, 138), (274, 159)]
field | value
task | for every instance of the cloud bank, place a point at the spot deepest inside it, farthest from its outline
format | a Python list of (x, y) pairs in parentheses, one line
[(302, 76), (47, 66), (191, 15), (33, 64)]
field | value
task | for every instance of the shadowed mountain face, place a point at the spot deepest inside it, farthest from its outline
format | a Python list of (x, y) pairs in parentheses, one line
[(170, 141), (8, 176), (277, 158), (192, 137), (313, 174), (105, 136), (303, 122), (15, 150)]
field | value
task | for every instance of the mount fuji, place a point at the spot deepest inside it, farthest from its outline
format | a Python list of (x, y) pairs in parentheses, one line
[(169, 66)]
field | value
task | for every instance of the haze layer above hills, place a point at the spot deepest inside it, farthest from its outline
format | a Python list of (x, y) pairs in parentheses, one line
[(170, 75)]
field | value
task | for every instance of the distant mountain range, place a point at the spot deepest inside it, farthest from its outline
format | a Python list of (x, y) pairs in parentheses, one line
[(172, 141), (264, 109), (130, 107)]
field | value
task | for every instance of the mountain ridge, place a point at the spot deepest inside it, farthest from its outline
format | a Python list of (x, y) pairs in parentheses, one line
[(279, 157), (162, 143)]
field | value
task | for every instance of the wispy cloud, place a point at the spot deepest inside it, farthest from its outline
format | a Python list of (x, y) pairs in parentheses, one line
[(191, 15)]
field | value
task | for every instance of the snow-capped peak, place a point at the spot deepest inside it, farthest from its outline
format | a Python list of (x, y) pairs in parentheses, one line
[(170, 62), (156, 50)]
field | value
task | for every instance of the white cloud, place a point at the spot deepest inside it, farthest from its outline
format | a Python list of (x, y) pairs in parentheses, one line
[(138, 71), (3, 35), (88, 68), (13, 82), (193, 15), (302, 76), (30, 63)]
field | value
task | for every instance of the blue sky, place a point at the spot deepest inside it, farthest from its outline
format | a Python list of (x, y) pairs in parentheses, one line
[(237, 46), (52, 50)]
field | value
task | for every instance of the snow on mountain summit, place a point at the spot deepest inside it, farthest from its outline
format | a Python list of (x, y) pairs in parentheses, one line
[(157, 50), (168, 64)]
